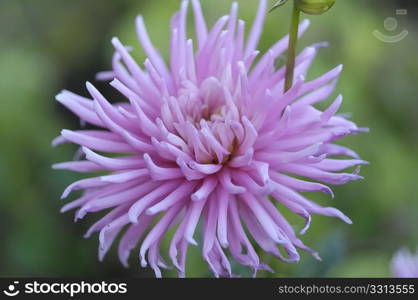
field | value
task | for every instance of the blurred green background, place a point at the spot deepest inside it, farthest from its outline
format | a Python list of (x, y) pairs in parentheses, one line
[(49, 45)]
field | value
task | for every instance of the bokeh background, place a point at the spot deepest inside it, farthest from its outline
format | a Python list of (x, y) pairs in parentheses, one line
[(49, 45)]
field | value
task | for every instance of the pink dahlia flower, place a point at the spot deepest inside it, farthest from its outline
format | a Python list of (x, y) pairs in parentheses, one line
[(209, 138), (405, 264)]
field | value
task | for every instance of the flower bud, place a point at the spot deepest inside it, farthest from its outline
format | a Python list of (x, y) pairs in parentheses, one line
[(314, 7)]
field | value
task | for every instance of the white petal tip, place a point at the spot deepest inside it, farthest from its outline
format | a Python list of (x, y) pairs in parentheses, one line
[(133, 220), (60, 97), (87, 235), (316, 256), (55, 167), (305, 22), (89, 85), (224, 244), (192, 241), (151, 211), (115, 41), (194, 197), (66, 192)]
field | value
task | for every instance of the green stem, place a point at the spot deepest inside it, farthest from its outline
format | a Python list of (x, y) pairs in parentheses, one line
[(291, 56)]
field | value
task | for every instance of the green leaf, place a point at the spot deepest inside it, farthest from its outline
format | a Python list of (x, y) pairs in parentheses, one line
[(278, 4)]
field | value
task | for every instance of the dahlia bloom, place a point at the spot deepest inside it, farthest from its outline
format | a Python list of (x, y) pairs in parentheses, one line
[(405, 264), (208, 139)]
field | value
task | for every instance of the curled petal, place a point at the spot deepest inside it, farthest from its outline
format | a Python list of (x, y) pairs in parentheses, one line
[(226, 182), (205, 189), (159, 173), (174, 197), (205, 168), (149, 198), (129, 162)]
